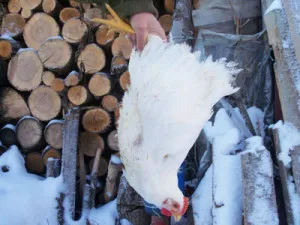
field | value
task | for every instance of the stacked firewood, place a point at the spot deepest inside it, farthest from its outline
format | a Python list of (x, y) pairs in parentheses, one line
[(52, 58)]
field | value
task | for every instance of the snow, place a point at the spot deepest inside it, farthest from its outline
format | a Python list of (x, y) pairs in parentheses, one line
[(7, 37), (125, 222), (295, 200), (105, 215), (9, 126), (25, 49), (54, 121), (289, 138), (116, 160), (202, 200), (276, 4)]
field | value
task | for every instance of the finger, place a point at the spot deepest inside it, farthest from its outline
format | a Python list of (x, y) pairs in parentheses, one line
[(132, 38), (141, 37)]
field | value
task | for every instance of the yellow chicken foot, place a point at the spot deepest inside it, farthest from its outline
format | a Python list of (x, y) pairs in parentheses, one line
[(116, 23)]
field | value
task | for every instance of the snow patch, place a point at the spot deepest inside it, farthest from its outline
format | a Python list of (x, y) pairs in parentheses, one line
[(25, 49), (105, 215), (295, 200), (116, 160), (9, 126), (276, 4)]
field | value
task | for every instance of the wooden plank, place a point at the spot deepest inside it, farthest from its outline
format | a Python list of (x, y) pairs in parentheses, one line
[(258, 185), (69, 152), (53, 167), (295, 155)]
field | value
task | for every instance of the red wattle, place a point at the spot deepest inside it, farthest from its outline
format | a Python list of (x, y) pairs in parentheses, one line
[(185, 205), (165, 212)]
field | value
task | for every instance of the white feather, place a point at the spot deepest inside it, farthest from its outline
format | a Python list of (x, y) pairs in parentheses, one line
[(167, 104)]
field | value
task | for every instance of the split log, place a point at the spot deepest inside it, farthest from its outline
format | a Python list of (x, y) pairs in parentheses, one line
[(78, 95), (8, 135), (125, 80), (38, 29), (53, 133), (25, 70), (113, 178), (112, 140), (169, 6), (53, 167), (29, 133), (89, 143), (166, 22), (55, 54), (103, 37), (32, 4), (109, 103), (51, 7), (99, 84), (72, 79), (12, 24), (96, 120), (74, 30), (58, 85), (122, 46), (93, 59), (44, 103), (258, 184), (8, 47), (68, 13), (34, 163), (102, 166), (69, 155), (48, 77), (14, 6), (50, 152), (118, 65), (26, 13), (12, 105)]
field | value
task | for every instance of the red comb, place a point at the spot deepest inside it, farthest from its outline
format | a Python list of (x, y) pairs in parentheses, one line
[(165, 212)]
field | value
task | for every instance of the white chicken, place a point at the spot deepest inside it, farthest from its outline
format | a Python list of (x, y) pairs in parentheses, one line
[(167, 104)]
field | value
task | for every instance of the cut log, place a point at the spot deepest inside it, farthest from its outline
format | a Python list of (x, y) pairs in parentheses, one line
[(76, 4), (122, 46), (48, 77), (112, 140), (51, 7), (8, 47), (74, 30), (125, 80), (89, 143), (14, 6), (25, 70), (12, 24), (32, 4), (26, 13), (55, 54), (99, 84), (166, 22), (72, 79), (92, 13), (58, 85), (104, 38), (92, 58), (29, 133), (78, 95), (44, 103), (96, 120), (109, 103), (169, 6), (53, 167), (34, 163), (118, 65), (68, 13), (113, 178), (12, 105), (53, 133), (8, 135), (38, 29), (50, 152), (102, 166)]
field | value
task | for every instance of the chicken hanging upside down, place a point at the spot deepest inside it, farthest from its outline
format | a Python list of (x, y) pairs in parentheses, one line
[(167, 104)]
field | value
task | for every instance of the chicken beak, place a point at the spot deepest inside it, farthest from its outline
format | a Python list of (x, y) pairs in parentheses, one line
[(177, 217)]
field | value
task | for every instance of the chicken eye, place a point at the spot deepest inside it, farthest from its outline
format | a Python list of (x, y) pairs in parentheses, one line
[(176, 206)]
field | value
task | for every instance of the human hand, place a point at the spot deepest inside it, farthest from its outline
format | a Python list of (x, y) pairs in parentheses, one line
[(144, 24)]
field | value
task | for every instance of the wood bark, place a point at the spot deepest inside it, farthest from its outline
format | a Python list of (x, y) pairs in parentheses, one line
[(68, 13), (96, 120), (53, 167), (58, 85), (44, 103), (12, 105), (102, 166), (112, 140), (74, 30), (122, 46), (8, 47), (99, 84), (38, 29), (295, 155), (125, 80), (78, 95), (14, 6), (55, 54), (50, 152), (53, 133), (25, 70), (73, 79), (89, 143), (118, 65), (8, 135), (48, 77), (109, 103), (29, 132), (92, 58), (12, 24), (34, 163)]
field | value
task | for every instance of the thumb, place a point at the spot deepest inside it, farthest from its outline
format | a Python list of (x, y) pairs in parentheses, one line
[(141, 38)]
